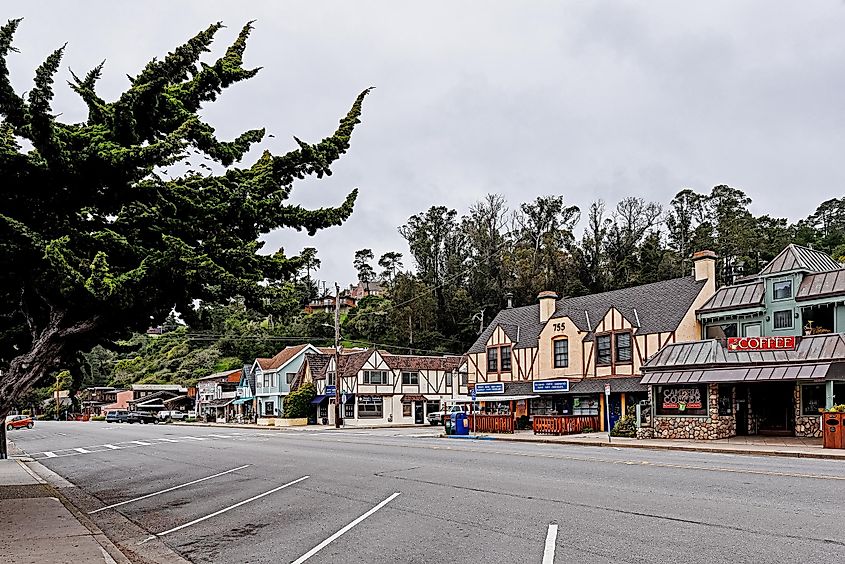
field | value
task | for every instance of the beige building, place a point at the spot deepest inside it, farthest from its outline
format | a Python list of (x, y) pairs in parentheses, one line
[(556, 357)]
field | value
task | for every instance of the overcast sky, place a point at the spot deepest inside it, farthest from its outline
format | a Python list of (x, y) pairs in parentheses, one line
[(589, 99)]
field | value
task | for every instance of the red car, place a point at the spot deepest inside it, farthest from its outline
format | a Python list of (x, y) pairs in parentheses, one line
[(18, 422)]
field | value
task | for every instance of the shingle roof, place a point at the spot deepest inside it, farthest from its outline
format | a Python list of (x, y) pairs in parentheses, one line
[(796, 257), (813, 348), (735, 297), (822, 285), (351, 363), (411, 362), (660, 307), (281, 358)]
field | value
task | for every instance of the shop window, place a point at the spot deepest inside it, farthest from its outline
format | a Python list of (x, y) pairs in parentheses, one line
[(812, 399), (783, 319), (681, 400), (541, 406), (603, 355), (349, 410), (585, 405), (623, 347), (370, 407), (410, 378), (375, 377), (505, 352), (726, 400), (838, 393), (324, 410), (782, 290), (406, 409), (721, 331), (561, 353), (432, 406), (493, 359)]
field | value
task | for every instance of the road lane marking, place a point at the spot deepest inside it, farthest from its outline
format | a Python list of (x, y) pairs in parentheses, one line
[(113, 447), (142, 443), (195, 438), (221, 436), (48, 454), (335, 536), (549, 549), (191, 483), (224, 510), (82, 450), (167, 440)]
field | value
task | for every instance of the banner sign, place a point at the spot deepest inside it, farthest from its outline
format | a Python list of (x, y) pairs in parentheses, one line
[(491, 388), (331, 390), (761, 343), (551, 386)]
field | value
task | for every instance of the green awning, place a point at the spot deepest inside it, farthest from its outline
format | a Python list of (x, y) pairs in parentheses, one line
[(241, 401)]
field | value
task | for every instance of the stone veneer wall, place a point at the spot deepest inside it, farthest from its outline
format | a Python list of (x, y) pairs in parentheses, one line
[(805, 426), (709, 427)]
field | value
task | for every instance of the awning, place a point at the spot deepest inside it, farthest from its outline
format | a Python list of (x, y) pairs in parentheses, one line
[(223, 402), (504, 398), (319, 399), (747, 374), (413, 397), (241, 401)]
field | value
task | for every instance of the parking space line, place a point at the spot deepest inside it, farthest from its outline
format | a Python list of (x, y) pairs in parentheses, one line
[(549, 549), (48, 454), (113, 447), (337, 535), (225, 509), (82, 450), (191, 483)]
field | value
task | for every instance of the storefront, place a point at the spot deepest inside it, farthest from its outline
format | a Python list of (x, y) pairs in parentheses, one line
[(704, 390)]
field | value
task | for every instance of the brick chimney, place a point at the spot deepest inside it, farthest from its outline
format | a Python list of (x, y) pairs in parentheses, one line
[(705, 267), (547, 304)]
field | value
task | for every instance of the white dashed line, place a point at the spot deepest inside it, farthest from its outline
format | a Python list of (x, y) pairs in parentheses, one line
[(549, 549), (142, 443), (82, 450), (49, 454), (112, 447)]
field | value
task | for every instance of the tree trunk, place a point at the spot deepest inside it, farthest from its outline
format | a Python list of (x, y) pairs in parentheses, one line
[(4, 451)]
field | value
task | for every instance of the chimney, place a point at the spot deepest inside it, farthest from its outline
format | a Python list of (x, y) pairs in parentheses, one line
[(705, 267), (509, 298), (547, 304)]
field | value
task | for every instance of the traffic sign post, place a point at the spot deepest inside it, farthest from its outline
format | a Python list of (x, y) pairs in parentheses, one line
[(474, 409), (607, 408)]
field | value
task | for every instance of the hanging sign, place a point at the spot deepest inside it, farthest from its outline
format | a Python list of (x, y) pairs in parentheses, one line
[(739, 344)]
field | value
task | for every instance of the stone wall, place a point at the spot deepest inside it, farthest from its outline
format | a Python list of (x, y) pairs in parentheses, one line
[(709, 427), (805, 425)]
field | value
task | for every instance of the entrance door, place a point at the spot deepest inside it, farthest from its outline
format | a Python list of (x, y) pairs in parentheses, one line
[(773, 405), (419, 416), (615, 409)]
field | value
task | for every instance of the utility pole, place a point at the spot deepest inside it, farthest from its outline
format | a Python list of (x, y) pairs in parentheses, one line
[(337, 408), (57, 396)]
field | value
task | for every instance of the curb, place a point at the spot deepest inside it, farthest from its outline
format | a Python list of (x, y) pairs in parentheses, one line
[(297, 428), (682, 448)]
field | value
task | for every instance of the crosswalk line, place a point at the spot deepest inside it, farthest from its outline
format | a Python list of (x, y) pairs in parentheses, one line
[(82, 450), (112, 447), (48, 454)]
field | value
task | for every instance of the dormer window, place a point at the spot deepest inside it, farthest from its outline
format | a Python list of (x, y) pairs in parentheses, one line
[(782, 290)]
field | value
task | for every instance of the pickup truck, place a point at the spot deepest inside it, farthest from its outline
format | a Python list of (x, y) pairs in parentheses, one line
[(172, 415), (439, 417), (141, 417)]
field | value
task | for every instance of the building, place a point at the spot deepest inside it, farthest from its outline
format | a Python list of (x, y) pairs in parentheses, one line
[(121, 402), (773, 355), (274, 376), (243, 409), (364, 289), (214, 394), (156, 397), (326, 304), (95, 398), (556, 357), (382, 388)]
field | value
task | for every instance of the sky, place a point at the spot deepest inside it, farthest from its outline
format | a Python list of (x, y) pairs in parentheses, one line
[(588, 99)]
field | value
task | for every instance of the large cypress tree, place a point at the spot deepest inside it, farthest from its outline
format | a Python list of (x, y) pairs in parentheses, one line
[(96, 240)]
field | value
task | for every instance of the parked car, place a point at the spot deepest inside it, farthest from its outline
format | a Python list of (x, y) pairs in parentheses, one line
[(117, 417), (172, 415), (439, 417), (141, 417), (19, 422)]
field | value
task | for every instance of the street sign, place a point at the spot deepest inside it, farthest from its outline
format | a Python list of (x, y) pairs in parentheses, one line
[(491, 388), (473, 394), (331, 390), (607, 389), (343, 398), (551, 386), (607, 408)]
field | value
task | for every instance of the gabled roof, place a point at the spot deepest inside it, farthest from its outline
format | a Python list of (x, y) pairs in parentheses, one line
[(735, 297), (413, 362), (350, 364), (822, 285), (282, 357), (225, 375), (796, 257), (660, 307)]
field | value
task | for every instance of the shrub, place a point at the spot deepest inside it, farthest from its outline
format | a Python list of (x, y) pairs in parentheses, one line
[(837, 408), (298, 402), (626, 426), (98, 418), (190, 419)]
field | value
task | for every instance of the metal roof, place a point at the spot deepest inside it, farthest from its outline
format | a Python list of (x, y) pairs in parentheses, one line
[(821, 371), (735, 297), (796, 257), (822, 285)]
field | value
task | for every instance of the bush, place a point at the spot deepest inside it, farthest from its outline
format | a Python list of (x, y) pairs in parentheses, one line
[(837, 408), (98, 418), (626, 426), (588, 430), (190, 420), (298, 403)]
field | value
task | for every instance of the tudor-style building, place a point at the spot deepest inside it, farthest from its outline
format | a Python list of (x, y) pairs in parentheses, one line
[(557, 356), (382, 388)]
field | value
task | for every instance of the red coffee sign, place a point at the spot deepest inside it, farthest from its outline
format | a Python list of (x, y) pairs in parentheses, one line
[(761, 343)]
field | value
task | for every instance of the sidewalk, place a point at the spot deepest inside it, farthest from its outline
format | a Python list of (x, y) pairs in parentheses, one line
[(794, 447), (39, 525), (311, 428)]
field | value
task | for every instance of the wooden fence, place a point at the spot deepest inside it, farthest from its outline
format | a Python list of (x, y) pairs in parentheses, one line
[(490, 423), (564, 424)]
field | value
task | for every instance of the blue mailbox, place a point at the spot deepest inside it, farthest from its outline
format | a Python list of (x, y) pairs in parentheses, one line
[(461, 423)]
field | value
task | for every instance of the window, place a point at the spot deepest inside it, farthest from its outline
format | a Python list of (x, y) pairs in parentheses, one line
[(726, 400), (783, 319), (561, 353), (370, 407), (506, 358), (324, 410), (464, 379), (752, 330), (493, 360), (330, 379), (448, 379), (721, 331), (432, 406), (375, 377), (782, 290), (290, 377), (269, 410), (623, 347), (268, 379), (812, 398), (681, 400), (349, 410), (585, 405), (410, 378), (406, 409), (838, 393), (603, 350)]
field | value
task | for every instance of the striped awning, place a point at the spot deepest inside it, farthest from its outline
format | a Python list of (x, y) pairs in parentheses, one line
[(820, 371)]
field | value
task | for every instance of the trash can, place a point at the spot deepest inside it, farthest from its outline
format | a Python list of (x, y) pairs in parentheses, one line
[(461, 426), (833, 430), (449, 425)]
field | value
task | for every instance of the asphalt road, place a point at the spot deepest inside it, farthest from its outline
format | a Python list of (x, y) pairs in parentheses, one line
[(275, 496)]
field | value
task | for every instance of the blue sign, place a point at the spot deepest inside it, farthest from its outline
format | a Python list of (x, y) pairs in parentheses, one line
[(473, 394), (491, 388), (551, 386), (331, 390)]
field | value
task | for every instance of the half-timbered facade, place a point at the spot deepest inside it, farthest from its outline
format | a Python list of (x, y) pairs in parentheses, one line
[(383, 388), (555, 357)]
